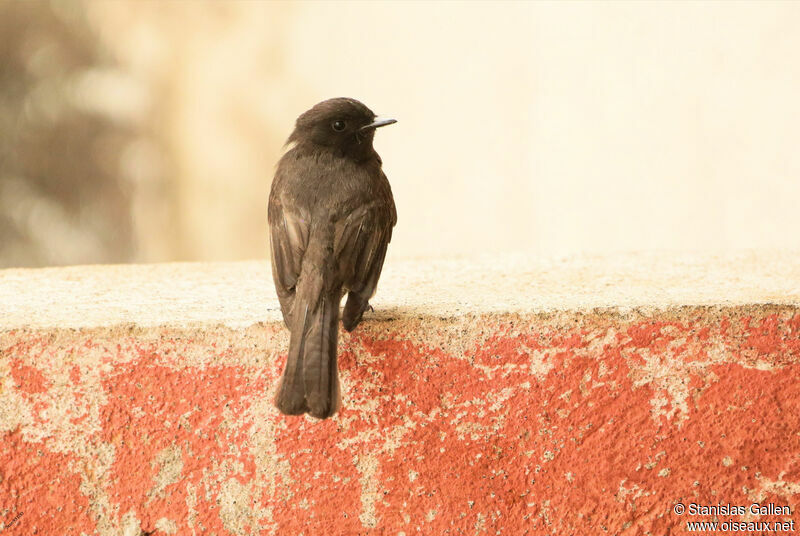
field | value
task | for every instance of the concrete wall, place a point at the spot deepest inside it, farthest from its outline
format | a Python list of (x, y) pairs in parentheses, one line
[(581, 397)]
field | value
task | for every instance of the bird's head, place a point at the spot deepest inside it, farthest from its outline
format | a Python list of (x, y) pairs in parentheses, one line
[(343, 125)]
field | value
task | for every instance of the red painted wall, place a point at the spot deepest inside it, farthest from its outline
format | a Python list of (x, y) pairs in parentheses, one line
[(562, 424)]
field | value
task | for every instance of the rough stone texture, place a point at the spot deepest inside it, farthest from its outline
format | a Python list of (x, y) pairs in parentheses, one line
[(585, 396)]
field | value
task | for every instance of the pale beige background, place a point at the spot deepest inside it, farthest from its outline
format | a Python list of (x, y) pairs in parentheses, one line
[(549, 128)]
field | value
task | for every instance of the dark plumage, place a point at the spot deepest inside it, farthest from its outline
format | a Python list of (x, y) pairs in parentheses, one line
[(331, 214)]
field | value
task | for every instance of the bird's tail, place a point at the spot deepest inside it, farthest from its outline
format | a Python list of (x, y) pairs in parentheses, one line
[(310, 382)]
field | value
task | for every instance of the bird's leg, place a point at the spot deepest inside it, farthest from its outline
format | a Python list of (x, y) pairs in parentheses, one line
[(353, 310)]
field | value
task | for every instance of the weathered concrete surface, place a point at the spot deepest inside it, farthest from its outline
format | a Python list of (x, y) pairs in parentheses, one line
[(577, 397)]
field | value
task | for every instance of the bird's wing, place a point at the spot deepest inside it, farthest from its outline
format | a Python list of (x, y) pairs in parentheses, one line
[(360, 244), (362, 238), (288, 240)]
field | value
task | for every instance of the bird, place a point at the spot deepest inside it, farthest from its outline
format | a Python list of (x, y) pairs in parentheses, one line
[(331, 213)]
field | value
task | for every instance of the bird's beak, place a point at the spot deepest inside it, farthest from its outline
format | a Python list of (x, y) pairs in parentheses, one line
[(378, 122)]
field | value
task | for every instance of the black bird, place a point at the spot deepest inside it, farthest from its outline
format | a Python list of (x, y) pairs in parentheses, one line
[(331, 214)]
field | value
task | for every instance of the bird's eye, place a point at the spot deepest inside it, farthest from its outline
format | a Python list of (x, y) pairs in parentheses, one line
[(339, 125)]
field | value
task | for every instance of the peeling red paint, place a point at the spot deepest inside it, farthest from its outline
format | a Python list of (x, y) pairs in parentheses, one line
[(43, 486), (600, 428), (29, 379), (152, 407), (75, 374)]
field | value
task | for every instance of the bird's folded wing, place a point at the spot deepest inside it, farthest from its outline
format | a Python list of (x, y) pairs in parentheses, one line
[(360, 243), (289, 236)]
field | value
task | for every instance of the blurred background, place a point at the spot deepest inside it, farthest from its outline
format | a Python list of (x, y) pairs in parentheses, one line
[(136, 131)]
